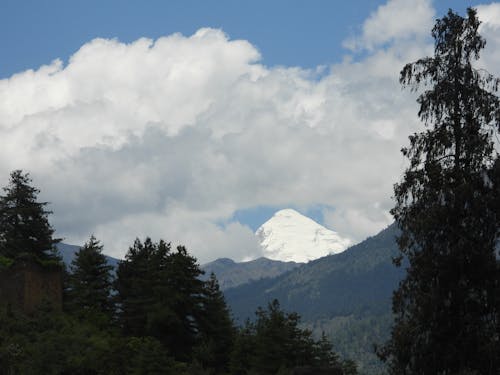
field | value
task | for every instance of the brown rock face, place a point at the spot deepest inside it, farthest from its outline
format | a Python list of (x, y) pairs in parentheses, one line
[(25, 285)]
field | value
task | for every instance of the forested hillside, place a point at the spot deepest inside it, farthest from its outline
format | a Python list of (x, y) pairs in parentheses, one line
[(231, 274), (347, 295)]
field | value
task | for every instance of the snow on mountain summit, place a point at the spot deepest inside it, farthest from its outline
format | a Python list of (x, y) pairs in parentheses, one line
[(291, 236)]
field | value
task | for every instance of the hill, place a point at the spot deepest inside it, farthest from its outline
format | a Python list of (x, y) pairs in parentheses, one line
[(231, 274), (347, 295)]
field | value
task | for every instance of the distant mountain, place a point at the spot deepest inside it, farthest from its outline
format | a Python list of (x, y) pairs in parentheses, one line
[(68, 253), (347, 295), (291, 236), (231, 274)]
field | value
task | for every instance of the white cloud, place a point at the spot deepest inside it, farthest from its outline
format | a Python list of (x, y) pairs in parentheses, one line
[(358, 222), (168, 138), (183, 226), (490, 30), (395, 21), (489, 14)]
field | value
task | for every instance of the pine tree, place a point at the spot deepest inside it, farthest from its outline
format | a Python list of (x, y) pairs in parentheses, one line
[(447, 209), (280, 342), (185, 300), (216, 328), (243, 354), (276, 344), (90, 282), (160, 294), (24, 224), (325, 356), (135, 280)]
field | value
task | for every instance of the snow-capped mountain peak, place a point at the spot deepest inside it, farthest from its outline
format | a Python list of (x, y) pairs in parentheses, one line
[(291, 236)]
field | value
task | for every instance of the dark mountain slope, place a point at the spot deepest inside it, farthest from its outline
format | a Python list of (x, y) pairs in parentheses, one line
[(347, 295), (358, 281), (231, 274)]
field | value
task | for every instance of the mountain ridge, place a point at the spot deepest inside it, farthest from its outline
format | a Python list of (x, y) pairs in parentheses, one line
[(231, 274), (346, 295)]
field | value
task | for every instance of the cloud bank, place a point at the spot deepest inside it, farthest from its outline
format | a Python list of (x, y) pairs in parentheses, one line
[(169, 137)]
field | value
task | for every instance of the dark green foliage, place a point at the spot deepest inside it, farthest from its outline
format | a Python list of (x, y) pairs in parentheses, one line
[(324, 354), (216, 329), (5, 262), (89, 284), (185, 294), (160, 295), (279, 340), (57, 343), (170, 321), (147, 356), (242, 355), (68, 254), (173, 323), (355, 336), (51, 343), (135, 281), (447, 308), (24, 225), (347, 295), (275, 343)]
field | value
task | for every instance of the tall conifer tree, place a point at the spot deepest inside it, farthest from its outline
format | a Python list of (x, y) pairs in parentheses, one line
[(134, 283), (185, 301), (160, 294), (447, 209), (216, 328), (90, 282), (24, 224)]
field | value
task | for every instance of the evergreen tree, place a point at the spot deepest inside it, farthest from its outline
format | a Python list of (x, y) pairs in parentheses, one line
[(90, 283), (135, 280), (243, 353), (447, 306), (275, 343), (184, 299), (280, 343), (146, 355), (160, 294), (24, 224), (216, 328), (325, 356), (58, 343)]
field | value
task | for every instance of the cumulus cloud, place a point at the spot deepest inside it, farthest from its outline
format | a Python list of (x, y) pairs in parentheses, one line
[(490, 30), (168, 138), (396, 20)]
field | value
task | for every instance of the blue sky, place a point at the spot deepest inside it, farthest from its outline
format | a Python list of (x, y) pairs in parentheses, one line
[(194, 121), (287, 32)]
